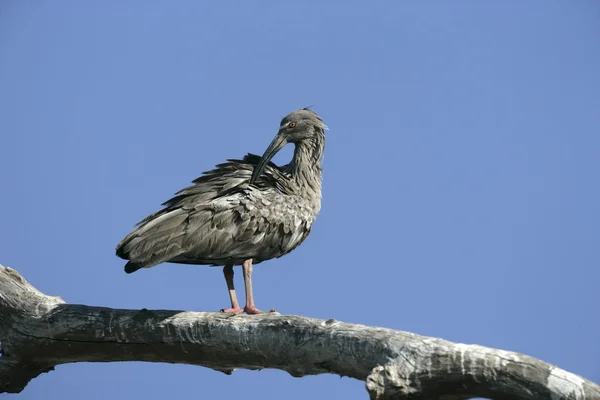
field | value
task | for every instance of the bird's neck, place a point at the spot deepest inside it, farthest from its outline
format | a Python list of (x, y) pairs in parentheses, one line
[(305, 167)]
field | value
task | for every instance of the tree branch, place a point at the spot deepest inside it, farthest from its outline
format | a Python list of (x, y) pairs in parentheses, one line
[(39, 332)]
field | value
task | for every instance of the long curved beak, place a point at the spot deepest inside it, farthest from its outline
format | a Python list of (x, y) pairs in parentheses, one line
[(277, 144)]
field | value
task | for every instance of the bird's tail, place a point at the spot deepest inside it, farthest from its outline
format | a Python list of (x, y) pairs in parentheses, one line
[(132, 267), (155, 241), (123, 252)]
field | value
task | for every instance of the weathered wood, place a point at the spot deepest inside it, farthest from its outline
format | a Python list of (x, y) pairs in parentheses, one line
[(39, 332)]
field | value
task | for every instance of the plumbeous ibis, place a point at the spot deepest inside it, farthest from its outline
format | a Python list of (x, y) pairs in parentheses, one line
[(242, 212)]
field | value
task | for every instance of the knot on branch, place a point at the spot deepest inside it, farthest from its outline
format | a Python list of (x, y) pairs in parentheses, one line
[(392, 381)]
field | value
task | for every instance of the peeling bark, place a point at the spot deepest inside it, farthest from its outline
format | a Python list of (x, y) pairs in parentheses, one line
[(39, 332)]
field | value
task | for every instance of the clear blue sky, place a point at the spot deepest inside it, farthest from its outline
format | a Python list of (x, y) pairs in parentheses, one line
[(461, 194)]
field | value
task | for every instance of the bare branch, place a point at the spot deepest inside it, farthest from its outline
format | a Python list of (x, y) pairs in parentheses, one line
[(39, 332)]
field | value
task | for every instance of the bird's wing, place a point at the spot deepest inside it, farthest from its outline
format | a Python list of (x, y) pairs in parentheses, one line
[(226, 178), (201, 216)]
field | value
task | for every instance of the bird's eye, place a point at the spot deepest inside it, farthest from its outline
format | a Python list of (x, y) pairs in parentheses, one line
[(292, 124)]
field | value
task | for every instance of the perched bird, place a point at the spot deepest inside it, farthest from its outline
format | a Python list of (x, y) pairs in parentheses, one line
[(242, 212)]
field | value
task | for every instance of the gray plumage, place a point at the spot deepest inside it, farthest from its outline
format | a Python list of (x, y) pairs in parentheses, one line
[(247, 209)]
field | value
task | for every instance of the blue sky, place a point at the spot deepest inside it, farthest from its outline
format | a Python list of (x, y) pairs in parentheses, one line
[(460, 197)]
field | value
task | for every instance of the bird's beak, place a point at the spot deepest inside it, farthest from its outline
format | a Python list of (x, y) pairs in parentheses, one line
[(277, 144)]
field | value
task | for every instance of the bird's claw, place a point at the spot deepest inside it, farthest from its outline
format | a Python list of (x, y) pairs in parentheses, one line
[(255, 311), (248, 310)]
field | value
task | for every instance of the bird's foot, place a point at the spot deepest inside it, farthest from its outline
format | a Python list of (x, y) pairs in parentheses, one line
[(235, 310), (252, 310)]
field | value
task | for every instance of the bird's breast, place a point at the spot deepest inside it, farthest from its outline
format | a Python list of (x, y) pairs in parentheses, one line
[(277, 223)]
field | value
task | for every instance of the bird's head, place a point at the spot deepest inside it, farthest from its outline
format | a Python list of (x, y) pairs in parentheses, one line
[(297, 126)]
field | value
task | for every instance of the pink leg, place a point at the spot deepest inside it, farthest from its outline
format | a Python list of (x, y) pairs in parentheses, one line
[(250, 307), (235, 306)]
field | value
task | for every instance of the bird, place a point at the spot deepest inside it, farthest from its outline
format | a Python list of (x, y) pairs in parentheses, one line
[(242, 212)]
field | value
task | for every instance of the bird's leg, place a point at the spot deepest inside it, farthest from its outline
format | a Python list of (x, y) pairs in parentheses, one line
[(235, 306), (250, 307)]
